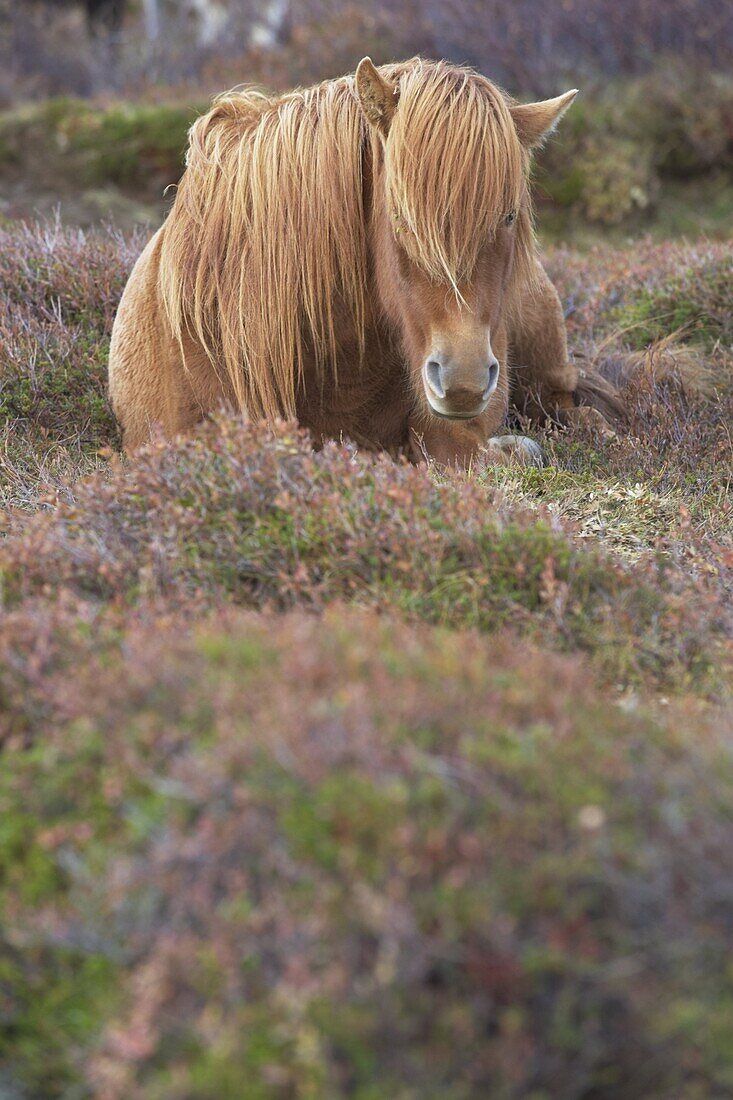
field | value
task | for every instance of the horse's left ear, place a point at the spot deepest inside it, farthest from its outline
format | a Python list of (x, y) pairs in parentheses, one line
[(534, 121), (378, 98)]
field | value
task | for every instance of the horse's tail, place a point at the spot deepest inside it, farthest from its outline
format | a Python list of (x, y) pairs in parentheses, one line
[(609, 381), (597, 392)]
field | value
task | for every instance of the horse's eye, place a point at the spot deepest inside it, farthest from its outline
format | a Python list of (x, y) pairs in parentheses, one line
[(510, 218)]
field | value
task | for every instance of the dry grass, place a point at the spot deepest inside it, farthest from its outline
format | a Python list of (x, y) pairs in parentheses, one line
[(59, 289)]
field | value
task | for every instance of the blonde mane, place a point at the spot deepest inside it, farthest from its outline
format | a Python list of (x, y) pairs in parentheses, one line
[(268, 236)]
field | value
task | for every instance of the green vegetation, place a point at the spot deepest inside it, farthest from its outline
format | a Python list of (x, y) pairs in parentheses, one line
[(627, 154), (133, 145), (325, 776), (695, 302), (254, 517), (58, 294)]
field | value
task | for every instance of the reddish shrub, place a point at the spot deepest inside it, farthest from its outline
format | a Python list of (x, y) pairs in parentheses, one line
[(249, 513), (345, 856)]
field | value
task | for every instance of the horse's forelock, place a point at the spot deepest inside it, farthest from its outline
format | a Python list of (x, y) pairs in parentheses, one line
[(454, 168)]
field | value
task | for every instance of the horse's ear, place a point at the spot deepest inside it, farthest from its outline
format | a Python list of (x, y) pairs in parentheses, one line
[(534, 121), (378, 98)]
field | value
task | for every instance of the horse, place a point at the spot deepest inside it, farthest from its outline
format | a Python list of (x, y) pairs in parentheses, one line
[(358, 256), (103, 17)]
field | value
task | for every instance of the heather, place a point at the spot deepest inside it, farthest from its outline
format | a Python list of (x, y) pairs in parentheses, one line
[(341, 855), (59, 290), (671, 292), (347, 777), (654, 318), (621, 548)]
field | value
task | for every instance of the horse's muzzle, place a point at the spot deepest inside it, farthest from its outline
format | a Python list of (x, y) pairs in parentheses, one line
[(456, 392)]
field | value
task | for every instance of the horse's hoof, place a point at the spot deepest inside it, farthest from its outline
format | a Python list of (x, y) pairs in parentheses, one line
[(519, 449)]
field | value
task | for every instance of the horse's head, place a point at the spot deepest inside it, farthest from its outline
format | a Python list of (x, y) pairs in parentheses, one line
[(451, 219)]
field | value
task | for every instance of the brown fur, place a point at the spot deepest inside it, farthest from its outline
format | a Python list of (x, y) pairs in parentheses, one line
[(326, 247)]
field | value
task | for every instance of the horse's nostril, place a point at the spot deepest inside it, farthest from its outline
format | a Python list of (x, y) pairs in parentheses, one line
[(493, 379), (432, 371)]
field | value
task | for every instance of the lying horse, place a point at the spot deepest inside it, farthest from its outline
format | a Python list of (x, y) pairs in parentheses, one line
[(360, 256)]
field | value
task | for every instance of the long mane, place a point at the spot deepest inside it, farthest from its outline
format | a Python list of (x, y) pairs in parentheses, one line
[(266, 243)]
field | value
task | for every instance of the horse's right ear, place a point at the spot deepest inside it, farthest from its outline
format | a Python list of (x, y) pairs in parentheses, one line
[(377, 97)]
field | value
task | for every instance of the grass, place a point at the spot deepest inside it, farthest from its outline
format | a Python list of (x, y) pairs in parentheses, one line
[(58, 293), (347, 778), (626, 517), (694, 302)]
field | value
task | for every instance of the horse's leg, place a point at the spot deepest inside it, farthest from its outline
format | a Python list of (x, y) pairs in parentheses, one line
[(544, 380), (467, 446)]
